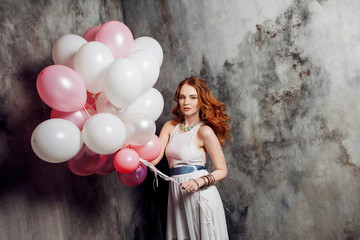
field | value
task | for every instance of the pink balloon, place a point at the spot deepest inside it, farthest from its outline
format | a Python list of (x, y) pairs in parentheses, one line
[(126, 160), (90, 34), (86, 162), (134, 178), (150, 150), (108, 166), (61, 88), (78, 118), (117, 36)]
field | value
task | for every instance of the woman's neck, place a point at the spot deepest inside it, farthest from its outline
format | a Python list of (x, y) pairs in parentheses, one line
[(189, 121)]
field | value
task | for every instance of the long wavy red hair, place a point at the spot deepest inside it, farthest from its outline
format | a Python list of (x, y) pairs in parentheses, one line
[(212, 111)]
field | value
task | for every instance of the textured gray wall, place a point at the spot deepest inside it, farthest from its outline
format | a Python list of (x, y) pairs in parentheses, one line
[(289, 73)]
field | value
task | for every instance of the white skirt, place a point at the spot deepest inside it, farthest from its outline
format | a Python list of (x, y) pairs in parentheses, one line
[(195, 216)]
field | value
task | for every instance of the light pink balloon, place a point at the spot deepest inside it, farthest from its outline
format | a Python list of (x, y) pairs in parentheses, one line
[(150, 150), (61, 88), (78, 118), (117, 36), (126, 160), (86, 162), (90, 34)]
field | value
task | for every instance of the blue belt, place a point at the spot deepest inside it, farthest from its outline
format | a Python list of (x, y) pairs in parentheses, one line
[(185, 169)]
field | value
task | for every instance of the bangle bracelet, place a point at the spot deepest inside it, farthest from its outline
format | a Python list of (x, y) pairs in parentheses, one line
[(208, 181), (212, 178), (205, 182)]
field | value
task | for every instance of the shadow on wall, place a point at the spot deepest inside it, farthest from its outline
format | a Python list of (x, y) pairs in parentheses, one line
[(21, 171), (26, 179)]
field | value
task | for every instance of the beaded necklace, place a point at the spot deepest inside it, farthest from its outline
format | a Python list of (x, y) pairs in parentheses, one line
[(186, 129)]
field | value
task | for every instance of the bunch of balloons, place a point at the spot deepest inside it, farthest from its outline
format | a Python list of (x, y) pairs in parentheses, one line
[(104, 106)]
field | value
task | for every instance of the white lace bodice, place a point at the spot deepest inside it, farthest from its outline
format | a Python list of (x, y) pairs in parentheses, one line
[(181, 149)]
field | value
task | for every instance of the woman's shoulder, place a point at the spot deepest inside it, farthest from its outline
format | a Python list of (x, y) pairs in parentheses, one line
[(206, 131), (169, 125)]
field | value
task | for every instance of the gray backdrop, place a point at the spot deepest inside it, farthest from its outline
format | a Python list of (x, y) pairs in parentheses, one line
[(289, 72)]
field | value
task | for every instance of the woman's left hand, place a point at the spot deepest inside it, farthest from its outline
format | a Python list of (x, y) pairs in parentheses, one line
[(190, 186)]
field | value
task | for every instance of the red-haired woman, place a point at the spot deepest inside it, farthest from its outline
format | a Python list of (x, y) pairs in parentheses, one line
[(200, 127)]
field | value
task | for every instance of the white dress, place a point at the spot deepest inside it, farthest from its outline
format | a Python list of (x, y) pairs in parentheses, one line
[(198, 215)]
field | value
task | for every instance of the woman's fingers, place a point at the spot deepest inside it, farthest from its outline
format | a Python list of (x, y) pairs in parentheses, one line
[(190, 186)]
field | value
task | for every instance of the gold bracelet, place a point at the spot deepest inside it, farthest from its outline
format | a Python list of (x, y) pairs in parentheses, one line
[(205, 182), (212, 179), (208, 181)]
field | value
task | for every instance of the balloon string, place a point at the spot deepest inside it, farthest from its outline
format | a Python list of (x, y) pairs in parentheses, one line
[(167, 178), (87, 113), (95, 97), (158, 172)]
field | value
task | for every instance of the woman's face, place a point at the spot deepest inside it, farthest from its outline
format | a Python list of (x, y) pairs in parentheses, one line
[(188, 100)]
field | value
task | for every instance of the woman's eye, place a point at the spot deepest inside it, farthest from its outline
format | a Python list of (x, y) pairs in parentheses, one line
[(181, 97)]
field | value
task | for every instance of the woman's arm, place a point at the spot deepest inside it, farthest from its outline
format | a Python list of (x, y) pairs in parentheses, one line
[(212, 145), (164, 139), (210, 142)]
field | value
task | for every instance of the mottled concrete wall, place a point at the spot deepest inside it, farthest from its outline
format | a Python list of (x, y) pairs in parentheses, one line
[(289, 73)]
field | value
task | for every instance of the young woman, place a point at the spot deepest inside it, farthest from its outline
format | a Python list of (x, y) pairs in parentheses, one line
[(200, 127)]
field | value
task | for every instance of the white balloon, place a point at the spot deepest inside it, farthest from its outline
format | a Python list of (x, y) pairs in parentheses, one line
[(104, 133), (56, 140), (151, 45), (123, 82), (103, 105), (91, 62), (65, 48), (148, 66), (140, 128), (150, 103)]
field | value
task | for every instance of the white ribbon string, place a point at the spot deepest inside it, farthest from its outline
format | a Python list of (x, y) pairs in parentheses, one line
[(158, 172), (167, 178), (86, 111)]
